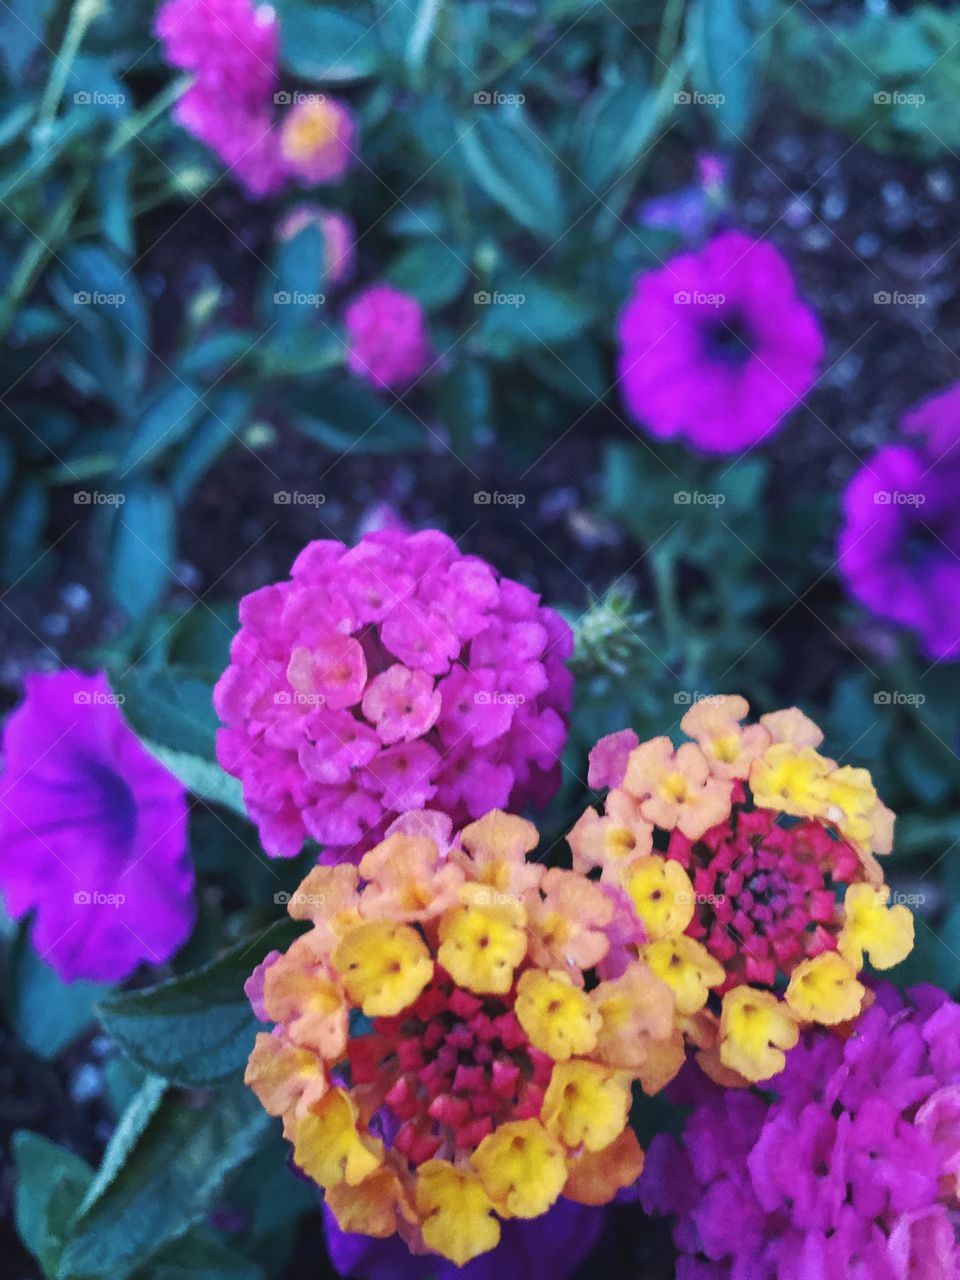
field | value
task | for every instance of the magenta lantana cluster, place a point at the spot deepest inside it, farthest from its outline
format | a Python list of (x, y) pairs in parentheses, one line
[(851, 1169), (387, 339), (391, 676)]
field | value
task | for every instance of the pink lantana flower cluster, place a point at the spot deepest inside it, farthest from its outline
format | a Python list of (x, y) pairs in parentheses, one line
[(847, 1167), (394, 675), (232, 49)]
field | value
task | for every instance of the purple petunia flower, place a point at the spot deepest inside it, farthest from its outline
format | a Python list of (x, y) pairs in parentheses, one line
[(716, 348), (552, 1245), (93, 833), (899, 551), (850, 1170)]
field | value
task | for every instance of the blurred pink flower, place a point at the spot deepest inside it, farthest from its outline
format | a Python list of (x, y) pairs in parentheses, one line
[(317, 139), (387, 337)]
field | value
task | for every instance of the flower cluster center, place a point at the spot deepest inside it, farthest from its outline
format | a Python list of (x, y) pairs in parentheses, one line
[(460, 1065)]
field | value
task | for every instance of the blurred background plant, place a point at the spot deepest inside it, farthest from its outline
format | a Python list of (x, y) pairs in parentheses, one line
[(179, 420)]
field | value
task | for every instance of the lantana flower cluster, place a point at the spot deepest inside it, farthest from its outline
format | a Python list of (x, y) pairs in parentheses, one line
[(446, 1055), (385, 677), (231, 48), (849, 1169), (749, 858)]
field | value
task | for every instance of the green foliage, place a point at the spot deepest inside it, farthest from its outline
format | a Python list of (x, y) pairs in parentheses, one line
[(893, 82)]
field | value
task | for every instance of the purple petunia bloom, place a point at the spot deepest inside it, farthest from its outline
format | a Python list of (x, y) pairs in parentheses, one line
[(850, 1170), (716, 348), (93, 833), (899, 552), (552, 1245)]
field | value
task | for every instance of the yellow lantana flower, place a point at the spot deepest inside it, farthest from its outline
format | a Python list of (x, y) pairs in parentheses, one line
[(825, 989), (557, 1016), (871, 925), (383, 966), (755, 1029)]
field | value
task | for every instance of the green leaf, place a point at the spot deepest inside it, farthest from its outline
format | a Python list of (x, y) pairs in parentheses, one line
[(534, 317), (615, 129), (731, 42), (431, 271), (229, 412), (171, 706), (166, 420), (201, 1255), (143, 548), (206, 780), (163, 1169), (50, 1184), (326, 44), (47, 1013), (197, 1029), (514, 166), (351, 417)]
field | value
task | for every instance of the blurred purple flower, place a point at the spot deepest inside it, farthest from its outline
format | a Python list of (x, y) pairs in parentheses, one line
[(93, 833), (317, 139), (552, 1245), (716, 347), (387, 337), (899, 550), (231, 47), (692, 210)]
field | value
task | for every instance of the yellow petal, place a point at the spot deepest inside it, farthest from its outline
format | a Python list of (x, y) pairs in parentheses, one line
[(327, 1146), (662, 894), (825, 989), (586, 1104), (755, 1029), (383, 966), (522, 1167), (885, 933), (557, 1016), (457, 1214), (688, 969), (481, 946)]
